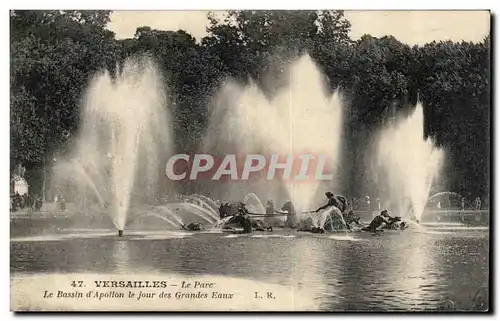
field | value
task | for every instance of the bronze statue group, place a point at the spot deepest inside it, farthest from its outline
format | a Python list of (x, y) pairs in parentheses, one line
[(335, 216)]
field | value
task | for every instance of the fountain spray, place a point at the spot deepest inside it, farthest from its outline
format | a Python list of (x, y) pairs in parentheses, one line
[(409, 163), (301, 118), (124, 136)]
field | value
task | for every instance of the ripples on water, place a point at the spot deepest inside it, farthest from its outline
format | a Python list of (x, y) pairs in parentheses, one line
[(425, 269)]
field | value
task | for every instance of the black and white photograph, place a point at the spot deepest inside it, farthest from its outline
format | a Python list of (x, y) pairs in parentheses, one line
[(250, 160)]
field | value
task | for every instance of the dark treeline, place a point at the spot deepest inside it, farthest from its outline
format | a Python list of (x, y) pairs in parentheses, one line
[(54, 54)]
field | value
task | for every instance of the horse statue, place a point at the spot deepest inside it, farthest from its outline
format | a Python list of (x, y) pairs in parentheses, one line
[(240, 216), (231, 209), (192, 227), (291, 219)]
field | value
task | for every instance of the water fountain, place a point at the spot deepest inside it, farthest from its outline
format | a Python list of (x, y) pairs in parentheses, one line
[(159, 216), (254, 205), (301, 118), (206, 201), (458, 196), (203, 204), (198, 211), (123, 137), (407, 163), (437, 195), (332, 220)]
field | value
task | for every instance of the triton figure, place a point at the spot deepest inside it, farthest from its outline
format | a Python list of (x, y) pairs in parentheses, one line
[(334, 200)]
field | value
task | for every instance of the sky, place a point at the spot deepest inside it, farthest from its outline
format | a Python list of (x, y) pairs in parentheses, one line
[(410, 27)]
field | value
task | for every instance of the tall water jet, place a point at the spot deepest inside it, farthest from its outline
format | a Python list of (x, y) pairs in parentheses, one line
[(301, 118), (407, 164), (124, 136), (314, 126)]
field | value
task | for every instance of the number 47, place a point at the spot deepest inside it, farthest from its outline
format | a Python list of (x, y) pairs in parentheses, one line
[(77, 284)]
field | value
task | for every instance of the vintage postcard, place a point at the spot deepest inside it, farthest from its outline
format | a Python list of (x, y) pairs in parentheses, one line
[(239, 160)]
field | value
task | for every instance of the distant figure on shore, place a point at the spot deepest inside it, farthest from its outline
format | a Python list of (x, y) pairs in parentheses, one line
[(22, 201), (478, 203), (354, 203), (56, 201), (438, 205), (13, 202), (17, 201), (462, 204), (62, 202), (37, 202)]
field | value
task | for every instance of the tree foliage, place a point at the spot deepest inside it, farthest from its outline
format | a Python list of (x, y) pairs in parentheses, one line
[(54, 53)]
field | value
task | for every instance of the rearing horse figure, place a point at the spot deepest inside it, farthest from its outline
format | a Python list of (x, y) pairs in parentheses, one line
[(239, 215), (227, 209), (291, 219)]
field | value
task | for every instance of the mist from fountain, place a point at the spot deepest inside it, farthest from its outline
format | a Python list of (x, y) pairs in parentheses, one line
[(253, 203), (301, 118), (206, 200), (444, 193), (168, 211), (407, 164), (123, 137), (197, 210), (160, 217), (89, 182), (331, 216), (220, 223), (66, 173), (205, 207), (412, 209)]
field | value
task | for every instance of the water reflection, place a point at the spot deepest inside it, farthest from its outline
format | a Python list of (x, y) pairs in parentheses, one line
[(406, 271), (409, 273), (464, 270), (121, 256), (358, 263), (309, 266)]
